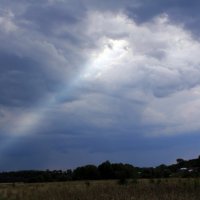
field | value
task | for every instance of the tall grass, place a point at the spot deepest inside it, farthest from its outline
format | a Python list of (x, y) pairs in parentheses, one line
[(169, 189)]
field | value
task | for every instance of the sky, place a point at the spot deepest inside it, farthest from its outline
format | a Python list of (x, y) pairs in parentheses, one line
[(85, 81)]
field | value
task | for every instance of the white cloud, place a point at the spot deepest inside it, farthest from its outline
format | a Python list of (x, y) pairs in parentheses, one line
[(157, 55), (157, 60), (7, 23)]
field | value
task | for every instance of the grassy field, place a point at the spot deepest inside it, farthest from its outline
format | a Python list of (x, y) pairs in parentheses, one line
[(165, 189)]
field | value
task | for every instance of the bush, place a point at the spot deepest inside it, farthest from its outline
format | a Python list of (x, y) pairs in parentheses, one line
[(122, 181)]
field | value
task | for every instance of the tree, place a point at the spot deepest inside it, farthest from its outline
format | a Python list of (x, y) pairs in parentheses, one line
[(88, 172), (106, 170), (179, 160)]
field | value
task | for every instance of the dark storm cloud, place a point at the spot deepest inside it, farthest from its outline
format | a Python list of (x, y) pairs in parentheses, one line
[(181, 11), (22, 82), (48, 18), (31, 64), (66, 152)]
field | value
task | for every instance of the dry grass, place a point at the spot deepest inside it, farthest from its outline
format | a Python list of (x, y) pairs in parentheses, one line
[(169, 189)]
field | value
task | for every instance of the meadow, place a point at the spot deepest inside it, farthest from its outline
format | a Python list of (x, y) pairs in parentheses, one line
[(145, 189)]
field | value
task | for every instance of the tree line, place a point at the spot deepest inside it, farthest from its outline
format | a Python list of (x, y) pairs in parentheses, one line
[(106, 170)]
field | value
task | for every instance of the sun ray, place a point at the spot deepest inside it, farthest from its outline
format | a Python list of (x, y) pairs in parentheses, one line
[(100, 61)]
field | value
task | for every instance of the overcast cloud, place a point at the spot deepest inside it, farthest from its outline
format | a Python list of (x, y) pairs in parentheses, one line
[(85, 81)]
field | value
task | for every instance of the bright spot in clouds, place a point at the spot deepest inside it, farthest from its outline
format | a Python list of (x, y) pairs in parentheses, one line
[(105, 59)]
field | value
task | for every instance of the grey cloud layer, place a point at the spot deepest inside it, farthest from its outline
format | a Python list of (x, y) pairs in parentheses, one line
[(116, 57), (110, 68)]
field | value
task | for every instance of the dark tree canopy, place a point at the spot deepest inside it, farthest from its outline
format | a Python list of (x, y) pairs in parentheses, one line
[(107, 170)]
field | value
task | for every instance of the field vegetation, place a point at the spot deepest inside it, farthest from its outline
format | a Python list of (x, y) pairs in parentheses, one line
[(143, 189)]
